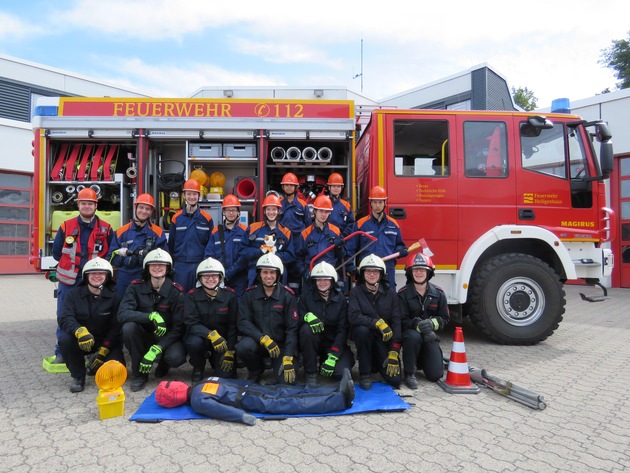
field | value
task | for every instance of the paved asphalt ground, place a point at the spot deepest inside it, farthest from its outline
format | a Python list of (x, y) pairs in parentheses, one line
[(582, 370)]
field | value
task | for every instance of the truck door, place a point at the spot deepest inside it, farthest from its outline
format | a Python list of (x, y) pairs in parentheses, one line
[(487, 180), (419, 180), (554, 190)]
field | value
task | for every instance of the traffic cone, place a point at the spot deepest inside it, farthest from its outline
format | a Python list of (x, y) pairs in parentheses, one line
[(458, 377)]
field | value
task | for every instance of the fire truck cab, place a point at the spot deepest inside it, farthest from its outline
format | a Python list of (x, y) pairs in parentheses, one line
[(511, 204)]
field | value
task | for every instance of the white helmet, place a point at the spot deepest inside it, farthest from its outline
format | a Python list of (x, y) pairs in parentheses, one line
[(270, 260), (98, 264), (324, 270), (210, 265), (157, 256), (372, 261)]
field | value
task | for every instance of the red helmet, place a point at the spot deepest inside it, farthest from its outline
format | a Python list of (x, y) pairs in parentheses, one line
[(323, 202), (87, 194), (146, 199), (419, 260), (230, 200), (172, 393), (290, 178), (377, 193), (272, 200), (335, 179), (192, 185)]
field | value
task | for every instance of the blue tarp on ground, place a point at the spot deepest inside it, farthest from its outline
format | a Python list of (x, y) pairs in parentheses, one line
[(380, 398)]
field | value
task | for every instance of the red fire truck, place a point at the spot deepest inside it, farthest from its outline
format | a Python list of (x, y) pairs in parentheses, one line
[(512, 205), (123, 147)]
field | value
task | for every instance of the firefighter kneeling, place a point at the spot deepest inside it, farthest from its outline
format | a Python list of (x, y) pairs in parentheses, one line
[(229, 399), (424, 311)]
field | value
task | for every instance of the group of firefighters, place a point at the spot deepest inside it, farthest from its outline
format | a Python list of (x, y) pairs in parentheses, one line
[(271, 295)]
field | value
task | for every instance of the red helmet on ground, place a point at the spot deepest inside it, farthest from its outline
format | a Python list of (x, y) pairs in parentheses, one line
[(146, 199), (377, 193), (172, 393), (419, 260), (290, 178), (335, 179), (230, 200), (192, 185), (272, 200), (87, 194), (323, 202)]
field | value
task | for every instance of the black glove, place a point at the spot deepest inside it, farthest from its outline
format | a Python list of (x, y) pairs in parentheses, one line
[(133, 261), (404, 252), (429, 337), (337, 241), (423, 325)]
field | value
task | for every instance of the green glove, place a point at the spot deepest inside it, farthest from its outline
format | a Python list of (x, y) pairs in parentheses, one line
[(316, 325), (85, 338), (99, 359), (218, 342), (271, 346), (289, 369), (152, 356), (384, 329), (328, 367), (227, 362), (158, 323), (392, 364)]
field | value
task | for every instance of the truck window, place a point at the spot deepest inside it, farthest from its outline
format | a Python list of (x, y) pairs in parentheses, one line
[(421, 148), (544, 153), (485, 149)]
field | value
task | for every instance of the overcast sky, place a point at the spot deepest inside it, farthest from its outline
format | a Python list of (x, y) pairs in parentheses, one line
[(171, 48)]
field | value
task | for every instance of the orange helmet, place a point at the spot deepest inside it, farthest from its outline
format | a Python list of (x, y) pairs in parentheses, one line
[(290, 178), (192, 185), (231, 200), (377, 193), (146, 199), (87, 194), (335, 179), (323, 202), (272, 200)]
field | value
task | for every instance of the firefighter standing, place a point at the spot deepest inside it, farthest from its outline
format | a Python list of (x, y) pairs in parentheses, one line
[(266, 237), (88, 323), (323, 331), (385, 229), (342, 215), (295, 215), (374, 316), (210, 318), (268, 323), (424, 311), (151, 315), (225, 241), (133, 241), (78, 240), (188, 235), (317, 237)]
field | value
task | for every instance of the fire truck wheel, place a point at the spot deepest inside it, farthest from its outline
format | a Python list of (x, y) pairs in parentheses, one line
[(516, 299)]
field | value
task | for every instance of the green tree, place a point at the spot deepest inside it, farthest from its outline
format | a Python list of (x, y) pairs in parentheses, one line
[(617, 57), (524, 98)]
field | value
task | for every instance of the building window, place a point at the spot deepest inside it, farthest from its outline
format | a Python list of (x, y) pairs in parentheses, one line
[(16, 214)]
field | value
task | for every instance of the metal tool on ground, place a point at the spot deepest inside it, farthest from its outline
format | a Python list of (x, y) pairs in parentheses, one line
[(507, 389)]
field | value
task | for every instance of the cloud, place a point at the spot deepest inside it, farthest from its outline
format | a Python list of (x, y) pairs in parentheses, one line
[(14, 29)]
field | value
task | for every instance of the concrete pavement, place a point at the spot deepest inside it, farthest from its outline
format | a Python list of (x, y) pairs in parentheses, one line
[(582, 370)]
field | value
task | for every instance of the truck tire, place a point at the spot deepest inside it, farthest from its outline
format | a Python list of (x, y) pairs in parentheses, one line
[(516, 299)]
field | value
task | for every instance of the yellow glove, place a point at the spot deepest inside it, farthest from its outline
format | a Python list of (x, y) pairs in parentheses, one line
[(392, 364), (85, 338), (271, 346), (227, 361), (99, 359), (289, 369), (384, 329), (218, 342)]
